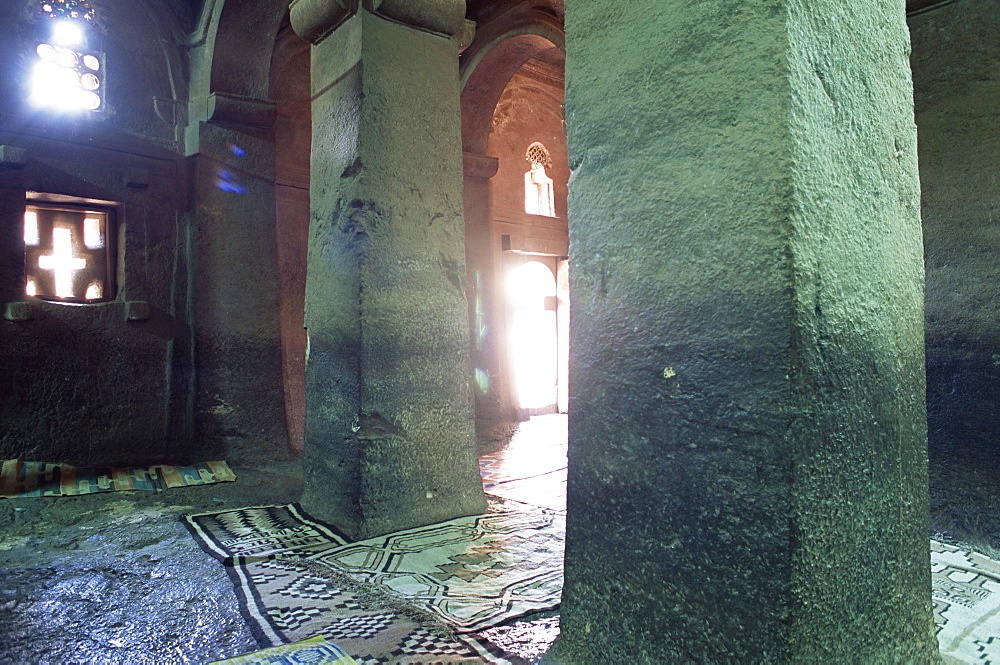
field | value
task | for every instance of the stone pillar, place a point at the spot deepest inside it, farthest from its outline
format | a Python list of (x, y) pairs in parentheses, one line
[(239, 402), (480, 253), (390, 442), (747, 476)]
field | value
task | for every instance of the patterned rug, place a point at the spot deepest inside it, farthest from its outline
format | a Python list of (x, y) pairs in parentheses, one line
[(314, 650), (285, 600), (261, 533), (19, 479), (297, 578), (392, 599), (472, 572), (965, 588)]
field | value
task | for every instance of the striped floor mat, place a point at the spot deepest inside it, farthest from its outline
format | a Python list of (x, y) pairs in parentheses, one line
[(20, 479)]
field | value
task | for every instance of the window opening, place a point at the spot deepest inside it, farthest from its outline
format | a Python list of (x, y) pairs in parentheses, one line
[(538, 194), (66, 253), (67, 75)]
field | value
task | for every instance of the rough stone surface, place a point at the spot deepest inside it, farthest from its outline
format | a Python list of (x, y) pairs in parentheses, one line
[(747, 456), (79, 384), (957, 97), (116, 578), (390, 441), (860, 563), (240, 402)]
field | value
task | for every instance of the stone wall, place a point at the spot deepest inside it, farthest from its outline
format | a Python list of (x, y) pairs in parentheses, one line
[(240, 407), (529, 110), (957, 99), (292, 137), (110, 381)]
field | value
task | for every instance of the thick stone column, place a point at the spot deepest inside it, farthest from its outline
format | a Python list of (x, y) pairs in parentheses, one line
[(490, 385), (390, 441), (747, 476), (239, 404)]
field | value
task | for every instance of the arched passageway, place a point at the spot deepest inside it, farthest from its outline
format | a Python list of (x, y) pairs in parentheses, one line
[(515, 204)]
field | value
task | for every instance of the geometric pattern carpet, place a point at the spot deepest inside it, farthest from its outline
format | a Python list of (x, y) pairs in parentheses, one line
[(20, 479), (965, 587), (390, 599), (298, 578), (472, 572), (307, 652)]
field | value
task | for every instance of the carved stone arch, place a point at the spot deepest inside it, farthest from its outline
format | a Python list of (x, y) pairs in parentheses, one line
[(500, 48), (504, 43), (241, 35), (237, 270)]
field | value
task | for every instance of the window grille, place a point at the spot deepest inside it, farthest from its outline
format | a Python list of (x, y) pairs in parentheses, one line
[(538, 154), (538, 195), (68, 253), (66, 74)]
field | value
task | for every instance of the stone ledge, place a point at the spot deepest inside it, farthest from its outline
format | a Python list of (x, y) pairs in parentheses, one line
[(239, 110), (136, 177), (18, 311), (315, 20), (443, 17), (137, 310), (479, 166)]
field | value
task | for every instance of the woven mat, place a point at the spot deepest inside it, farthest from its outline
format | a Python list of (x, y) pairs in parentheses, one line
[(314, 650), (286, 600), (965, 588), (19, 479), (391, 599), (473, 572), (290, 573)]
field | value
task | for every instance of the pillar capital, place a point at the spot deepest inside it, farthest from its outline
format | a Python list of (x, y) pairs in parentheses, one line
[(314, 20), (240, 110), (444, 17), (483, 167)]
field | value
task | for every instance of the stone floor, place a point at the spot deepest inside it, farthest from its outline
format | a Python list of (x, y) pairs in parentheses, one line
[(115, 578)]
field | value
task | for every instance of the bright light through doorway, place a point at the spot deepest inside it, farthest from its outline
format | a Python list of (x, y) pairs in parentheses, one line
[(533, 341)]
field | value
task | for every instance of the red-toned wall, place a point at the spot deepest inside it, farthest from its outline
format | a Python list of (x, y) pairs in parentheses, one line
[(530, 110), (292, 140)]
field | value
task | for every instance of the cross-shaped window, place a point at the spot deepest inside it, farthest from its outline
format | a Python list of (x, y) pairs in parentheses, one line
[(67, 254)]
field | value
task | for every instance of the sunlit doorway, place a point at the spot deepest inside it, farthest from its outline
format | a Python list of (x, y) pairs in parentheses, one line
[(537, 295)]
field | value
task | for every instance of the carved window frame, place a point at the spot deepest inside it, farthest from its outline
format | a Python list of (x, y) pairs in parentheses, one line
[(74, 221)]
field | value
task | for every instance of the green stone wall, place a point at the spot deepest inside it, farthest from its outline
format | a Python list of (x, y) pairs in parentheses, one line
[(957, 98)]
